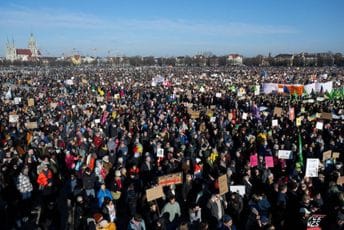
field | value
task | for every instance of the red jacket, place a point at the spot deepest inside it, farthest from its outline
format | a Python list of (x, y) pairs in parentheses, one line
[(44, 177)]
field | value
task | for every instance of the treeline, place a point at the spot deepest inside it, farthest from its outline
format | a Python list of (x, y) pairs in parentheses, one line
[(299, 60)]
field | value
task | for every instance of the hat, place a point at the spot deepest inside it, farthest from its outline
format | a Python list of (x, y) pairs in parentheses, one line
[(226, 218), (106, 159), (304, 211)]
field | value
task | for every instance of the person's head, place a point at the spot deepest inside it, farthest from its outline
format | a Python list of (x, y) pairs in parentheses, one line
[(137, 218), (172, 199), (227, 220), (102, 186)]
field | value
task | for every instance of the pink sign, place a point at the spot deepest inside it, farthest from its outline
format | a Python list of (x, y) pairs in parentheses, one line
[(253, 160), (269, 162)]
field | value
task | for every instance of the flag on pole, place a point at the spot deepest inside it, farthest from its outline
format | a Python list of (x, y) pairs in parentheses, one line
[(300, 161)]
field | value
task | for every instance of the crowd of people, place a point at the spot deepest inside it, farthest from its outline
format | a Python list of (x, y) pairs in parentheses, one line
[(79, 147)]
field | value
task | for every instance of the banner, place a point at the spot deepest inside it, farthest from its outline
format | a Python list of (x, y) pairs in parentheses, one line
[(253, 160), (285, 154), (223, 184), (240, 189), (314, 222), (327, 155), (175, 178), (160, 152), (312, 167), (31, 102), (269, 161), (154, 193)]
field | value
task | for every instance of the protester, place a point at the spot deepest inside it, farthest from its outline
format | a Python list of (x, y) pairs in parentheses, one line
[(79, 141)]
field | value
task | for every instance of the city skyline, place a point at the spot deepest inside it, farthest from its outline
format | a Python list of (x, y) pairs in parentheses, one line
[(177, 28)]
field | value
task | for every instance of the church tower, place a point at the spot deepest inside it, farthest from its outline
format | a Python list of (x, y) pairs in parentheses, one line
[(10, 51), (33, 46)]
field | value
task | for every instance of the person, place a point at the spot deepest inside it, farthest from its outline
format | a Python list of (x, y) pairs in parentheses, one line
[(24, 184), (89, 182), (109, 210), (102, 193), (227, 223), (172, 208), (136, 223), (216, 207), (79, 213)]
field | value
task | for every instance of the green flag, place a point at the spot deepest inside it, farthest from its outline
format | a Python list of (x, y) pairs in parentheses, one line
[(300, 161)]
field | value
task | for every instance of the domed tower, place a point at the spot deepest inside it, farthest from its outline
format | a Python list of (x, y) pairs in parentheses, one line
[(33, 46)]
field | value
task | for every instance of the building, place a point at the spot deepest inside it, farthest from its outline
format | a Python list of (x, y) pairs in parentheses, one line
[(234, 59), (284, 59), (20, 54)]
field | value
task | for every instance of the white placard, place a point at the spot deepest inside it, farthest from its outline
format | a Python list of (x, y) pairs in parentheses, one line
[(312, 167), (212, 119), (284, 154), (240, 189), (319, 125), (218, 95), (160, 152), (97, 121), (13, 118), (17, 100), (274, 123), (69, 82), (244, 116)]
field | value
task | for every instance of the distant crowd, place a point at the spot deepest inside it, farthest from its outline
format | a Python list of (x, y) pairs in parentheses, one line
[(80, 147)]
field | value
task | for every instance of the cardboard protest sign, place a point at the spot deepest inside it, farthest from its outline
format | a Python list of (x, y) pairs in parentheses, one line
[(223, 184), (274, 123), (269, 162), (284, 154), (31, 125), (154, 193), (327, 116), (218, 95), (53, 105), (335, 155), (160, 152), (312, 167), (31, 102), (194, 114), (277, 111), (170, 179), (314, 222), (240, 189), (100, 99), (13, 118), (327, 155), (319, 125), (340, 180), (244, 116), (253, 160)]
